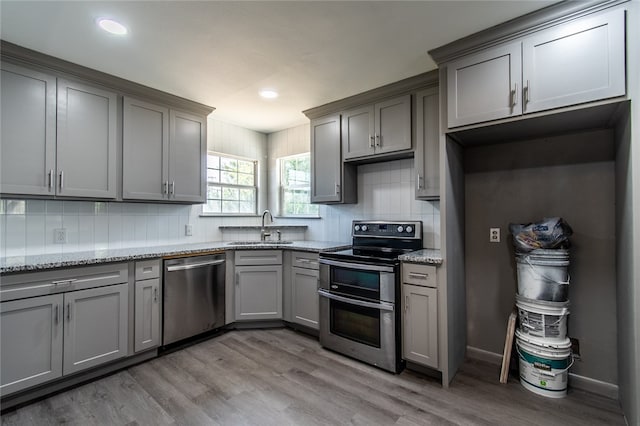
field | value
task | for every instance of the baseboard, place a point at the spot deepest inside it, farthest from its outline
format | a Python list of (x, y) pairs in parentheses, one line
[(598, 387)]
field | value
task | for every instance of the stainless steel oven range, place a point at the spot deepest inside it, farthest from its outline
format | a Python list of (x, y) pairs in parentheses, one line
[(360, 292)]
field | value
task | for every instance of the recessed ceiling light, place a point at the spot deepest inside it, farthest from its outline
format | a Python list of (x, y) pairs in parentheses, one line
[(111, 26), (269, 94)]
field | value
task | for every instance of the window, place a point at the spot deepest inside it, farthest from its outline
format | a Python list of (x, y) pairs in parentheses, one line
[(295, 182), (231, 185)]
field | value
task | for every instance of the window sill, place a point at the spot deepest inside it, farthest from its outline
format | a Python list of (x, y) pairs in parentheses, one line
[(297, 217), (227, 215)]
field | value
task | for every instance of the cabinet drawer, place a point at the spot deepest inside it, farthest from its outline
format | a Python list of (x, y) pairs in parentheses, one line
[(305, 260), (32, 284), (258, 257), (147, 269), (423, 275)]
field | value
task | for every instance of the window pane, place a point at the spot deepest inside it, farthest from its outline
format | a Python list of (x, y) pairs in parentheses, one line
[(230, 207), (214, 192), (230, 164), (212, 206), (244, 179), (246, 167), (248, 194), (247, 207), (213, 176), (213, 161), (229, 177), (230, 194)]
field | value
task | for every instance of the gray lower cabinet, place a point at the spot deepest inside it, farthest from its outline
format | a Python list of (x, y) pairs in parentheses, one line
[(427, 155), (420, 320), (332, 181), (147, 305), (568, 64), (258, 284), (164, 153), (381, 128), (28, 131), (304, 289), (31, 342), (58, 137), (96, 326)]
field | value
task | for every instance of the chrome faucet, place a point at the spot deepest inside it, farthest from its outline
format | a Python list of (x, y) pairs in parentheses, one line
[(263, 232)]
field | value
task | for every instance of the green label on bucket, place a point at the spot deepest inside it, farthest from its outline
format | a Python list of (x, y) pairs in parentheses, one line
[(543, 383), (545, 363)]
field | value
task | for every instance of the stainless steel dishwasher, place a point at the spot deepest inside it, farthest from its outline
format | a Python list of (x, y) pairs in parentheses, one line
[(193, 296)]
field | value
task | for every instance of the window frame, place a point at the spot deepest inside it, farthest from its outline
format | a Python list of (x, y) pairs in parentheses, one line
[(282, 188), (255, 186)]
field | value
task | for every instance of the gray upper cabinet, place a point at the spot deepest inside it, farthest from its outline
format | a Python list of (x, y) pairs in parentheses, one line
[(575, 63), (28, 131), (164, 153), (31, 342), (381, 128), (331, 181), (568, 64), (427, 156), (484, 86), (145, 150), (187, 157), (86, 141)]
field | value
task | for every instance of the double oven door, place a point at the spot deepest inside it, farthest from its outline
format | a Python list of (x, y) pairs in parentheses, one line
[(358, 311)]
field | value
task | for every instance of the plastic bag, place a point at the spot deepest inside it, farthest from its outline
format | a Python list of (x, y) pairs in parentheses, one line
[(550, 233)]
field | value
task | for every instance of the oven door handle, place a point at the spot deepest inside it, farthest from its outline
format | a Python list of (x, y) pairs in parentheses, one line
[(383, 306), (361, 266)]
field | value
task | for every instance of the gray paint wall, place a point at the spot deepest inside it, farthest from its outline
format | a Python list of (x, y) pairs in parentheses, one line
[(577, 183)]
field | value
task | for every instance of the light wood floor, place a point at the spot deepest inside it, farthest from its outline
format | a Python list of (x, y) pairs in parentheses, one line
[(280, 377)]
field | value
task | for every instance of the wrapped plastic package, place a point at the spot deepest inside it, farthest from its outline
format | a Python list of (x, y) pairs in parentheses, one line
[(549, 233)]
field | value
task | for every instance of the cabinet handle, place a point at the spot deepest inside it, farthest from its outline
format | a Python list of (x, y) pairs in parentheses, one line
[(64, 282), (378, 140), (50, 179), (418, 276), (371, 141), (165, 187), (69, 311), (55, 315), (337, 189), (155, 295), (172, 188), (61, 179), (527, 92), (237, 279), (406, 303), (419, 181), (514, 96)]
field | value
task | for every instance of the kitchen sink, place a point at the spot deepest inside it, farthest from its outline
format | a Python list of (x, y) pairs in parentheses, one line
[(257, 243)]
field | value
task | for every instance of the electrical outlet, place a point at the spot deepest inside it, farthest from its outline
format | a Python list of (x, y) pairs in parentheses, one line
[(188, 230), (60, 235), (494, 235), (575, 348)]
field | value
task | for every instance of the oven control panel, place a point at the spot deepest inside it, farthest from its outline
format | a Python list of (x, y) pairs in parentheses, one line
[(385, 229)]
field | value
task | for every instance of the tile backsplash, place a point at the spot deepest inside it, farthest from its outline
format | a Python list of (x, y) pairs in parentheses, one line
[(385, 191)]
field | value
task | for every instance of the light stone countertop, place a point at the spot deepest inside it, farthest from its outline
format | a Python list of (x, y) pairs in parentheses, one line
[(430, 256), (52, 261)]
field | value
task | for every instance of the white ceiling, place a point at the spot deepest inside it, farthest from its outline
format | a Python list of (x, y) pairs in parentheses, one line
[(222, 53)]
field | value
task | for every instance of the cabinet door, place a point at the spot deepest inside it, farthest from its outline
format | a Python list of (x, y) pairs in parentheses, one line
[(145, 151), (31, 342), (96, 325), (484, 86), (358, 132), (147, 314), (427, 156), (28, 131), (420, 331), (187, 157), (305, 296), (258, 292), (393, 125), (574, 63), (326, 163), (86, 142)]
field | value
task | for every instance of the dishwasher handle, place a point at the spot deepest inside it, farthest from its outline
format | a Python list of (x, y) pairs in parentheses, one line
[(194, 265)]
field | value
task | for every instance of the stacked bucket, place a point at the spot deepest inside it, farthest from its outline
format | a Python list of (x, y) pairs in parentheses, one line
[(542, 301)]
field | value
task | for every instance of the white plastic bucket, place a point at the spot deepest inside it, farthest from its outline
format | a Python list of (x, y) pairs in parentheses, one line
[(542, 319), (544, 365), (543, 275)]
